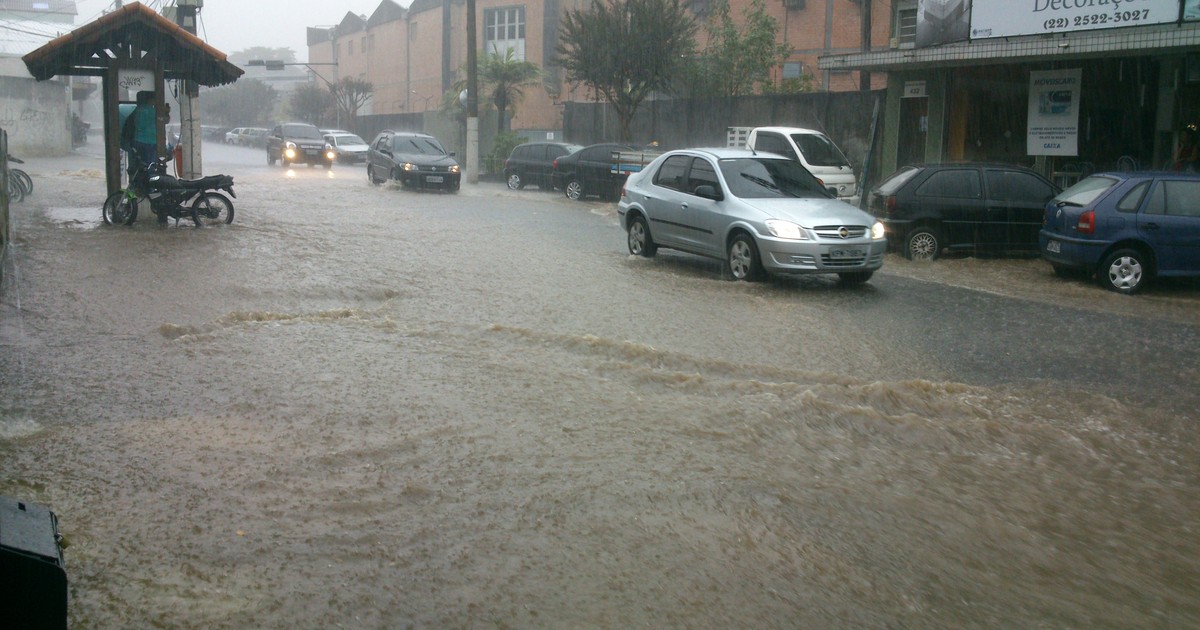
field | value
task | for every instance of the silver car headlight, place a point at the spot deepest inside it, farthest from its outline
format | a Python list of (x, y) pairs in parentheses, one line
[(786, 230), (877, 232)]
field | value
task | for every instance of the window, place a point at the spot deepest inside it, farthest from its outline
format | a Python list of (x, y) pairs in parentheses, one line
[(1018, 187), (503, 30), (774, 143), (702, 174), (670, 174), (906, 22), (957, 183), (1133, 198), (1183, 198)]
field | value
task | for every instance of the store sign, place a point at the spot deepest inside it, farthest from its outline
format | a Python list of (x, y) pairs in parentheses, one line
[(1006, 18), (914, 89), (1054, 112), (135, 80), (942, 21)]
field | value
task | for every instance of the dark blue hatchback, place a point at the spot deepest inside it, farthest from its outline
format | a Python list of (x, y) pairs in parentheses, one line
[(1126, 228)]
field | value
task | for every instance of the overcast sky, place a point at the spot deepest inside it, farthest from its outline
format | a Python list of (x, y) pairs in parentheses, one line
[(233, 25)]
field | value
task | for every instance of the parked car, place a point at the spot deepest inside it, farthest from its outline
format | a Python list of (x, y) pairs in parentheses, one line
[(759, 212), (348, 147), (232, 136), (819, 155), (930, 207), (1126, 228), (588, 172), (298, 143), (533, 163), (253, 137), (416, 160)]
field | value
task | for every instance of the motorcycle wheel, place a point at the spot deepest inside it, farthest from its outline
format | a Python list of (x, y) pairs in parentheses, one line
[(211, 209), (119, 209)]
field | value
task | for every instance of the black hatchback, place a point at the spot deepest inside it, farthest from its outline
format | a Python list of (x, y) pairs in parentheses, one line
[(966, 206), (533, 163), (416, 160)]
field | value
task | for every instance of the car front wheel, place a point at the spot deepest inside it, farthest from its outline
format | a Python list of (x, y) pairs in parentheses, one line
[(640, 243), (574, 190), (515, 182), (1124, 271), (743, 259), (923, 243)]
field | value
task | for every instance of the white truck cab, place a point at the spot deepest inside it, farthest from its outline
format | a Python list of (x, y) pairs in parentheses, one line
[(811, 148)]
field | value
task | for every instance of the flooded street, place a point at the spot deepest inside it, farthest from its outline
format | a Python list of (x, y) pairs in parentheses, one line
[(364, 407)]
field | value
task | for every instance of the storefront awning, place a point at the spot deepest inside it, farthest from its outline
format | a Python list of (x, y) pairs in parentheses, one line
[(1144, 40)]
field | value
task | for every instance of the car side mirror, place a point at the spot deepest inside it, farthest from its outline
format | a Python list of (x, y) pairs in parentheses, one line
[(708, 192)]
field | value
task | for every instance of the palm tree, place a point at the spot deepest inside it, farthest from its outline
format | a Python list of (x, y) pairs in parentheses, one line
[(505, 79)]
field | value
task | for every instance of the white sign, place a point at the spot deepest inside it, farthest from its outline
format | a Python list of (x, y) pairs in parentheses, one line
[(135, 80), (914, 89), (1054, 112), (1006, 18)]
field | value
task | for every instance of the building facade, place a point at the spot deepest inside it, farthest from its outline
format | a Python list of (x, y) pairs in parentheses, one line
[(1065, 87), (413, 56)]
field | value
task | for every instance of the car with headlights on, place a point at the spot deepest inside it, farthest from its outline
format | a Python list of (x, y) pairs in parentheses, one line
[(348, 147), (416, 160), (1126, 228), (298, 143), (760, 213)]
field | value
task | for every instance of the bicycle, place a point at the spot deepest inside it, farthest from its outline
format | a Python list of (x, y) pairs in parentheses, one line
[(20, 184)]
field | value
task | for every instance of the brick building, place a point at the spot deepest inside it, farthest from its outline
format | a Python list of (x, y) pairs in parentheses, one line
[(414, 55)]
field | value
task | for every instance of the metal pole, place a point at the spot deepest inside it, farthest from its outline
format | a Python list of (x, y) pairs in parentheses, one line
[(189, 101), (472, 98)]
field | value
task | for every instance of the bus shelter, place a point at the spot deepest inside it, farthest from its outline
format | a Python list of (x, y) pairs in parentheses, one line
[(133, 49)]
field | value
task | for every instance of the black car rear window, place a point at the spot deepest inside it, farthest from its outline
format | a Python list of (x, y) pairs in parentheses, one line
[(959, 183), (896, 180)]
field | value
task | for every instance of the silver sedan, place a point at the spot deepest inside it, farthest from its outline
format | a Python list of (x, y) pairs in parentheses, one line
[(761, 213)]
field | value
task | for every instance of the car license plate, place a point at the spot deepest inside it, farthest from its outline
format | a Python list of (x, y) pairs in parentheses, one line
[(1054, 247), (842, 253), (433, 179)]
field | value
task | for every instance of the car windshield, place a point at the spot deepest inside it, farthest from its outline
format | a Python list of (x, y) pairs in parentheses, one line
[(349, 138), (425, 146), (819, 150), (1086, 191), (763, 177), (302, 131)]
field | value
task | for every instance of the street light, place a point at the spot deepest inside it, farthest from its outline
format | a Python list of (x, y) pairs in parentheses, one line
[(427, 98)]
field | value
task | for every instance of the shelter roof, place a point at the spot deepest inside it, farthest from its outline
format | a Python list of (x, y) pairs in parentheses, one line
[(132, 32)]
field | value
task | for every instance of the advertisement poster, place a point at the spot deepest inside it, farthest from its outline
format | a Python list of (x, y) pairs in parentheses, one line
[(942, 21), (1191, 10), (1006, 18), (1054, 112)]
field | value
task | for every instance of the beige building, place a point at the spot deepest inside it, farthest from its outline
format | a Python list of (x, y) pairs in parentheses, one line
[(414, 55)]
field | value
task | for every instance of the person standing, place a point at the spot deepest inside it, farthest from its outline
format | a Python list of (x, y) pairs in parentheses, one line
[(1188, 152)]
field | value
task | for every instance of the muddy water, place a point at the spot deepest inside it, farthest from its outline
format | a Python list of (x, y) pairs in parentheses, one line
[(364, 407)]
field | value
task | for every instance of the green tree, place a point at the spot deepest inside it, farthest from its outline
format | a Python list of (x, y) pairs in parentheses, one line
[(625, 50), (350, 94), (505, 80), (312, 103), (737, 59), (244, 102)]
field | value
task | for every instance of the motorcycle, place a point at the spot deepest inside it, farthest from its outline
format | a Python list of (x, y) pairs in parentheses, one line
[(170, 197)]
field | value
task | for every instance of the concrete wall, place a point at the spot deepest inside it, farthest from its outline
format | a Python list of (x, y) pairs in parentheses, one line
[(36, 114), (675, 124)]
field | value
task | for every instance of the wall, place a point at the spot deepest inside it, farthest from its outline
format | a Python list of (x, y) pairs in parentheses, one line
[(36, 114), (4, 224), (844, 116)]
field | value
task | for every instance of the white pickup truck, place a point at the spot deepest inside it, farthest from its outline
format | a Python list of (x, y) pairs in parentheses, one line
[(811, 148)]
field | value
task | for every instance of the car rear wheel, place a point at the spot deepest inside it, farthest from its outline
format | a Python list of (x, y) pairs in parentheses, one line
[(574, 190), (1124, 271), (640, 243), (743, 259), (515, 182), (923, 243)]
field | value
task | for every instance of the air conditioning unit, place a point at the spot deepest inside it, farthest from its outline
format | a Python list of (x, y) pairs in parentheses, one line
[(894, 43), (793, 4)]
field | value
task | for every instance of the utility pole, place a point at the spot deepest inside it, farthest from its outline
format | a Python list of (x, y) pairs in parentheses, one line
[(189, 101), (472, 98)]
